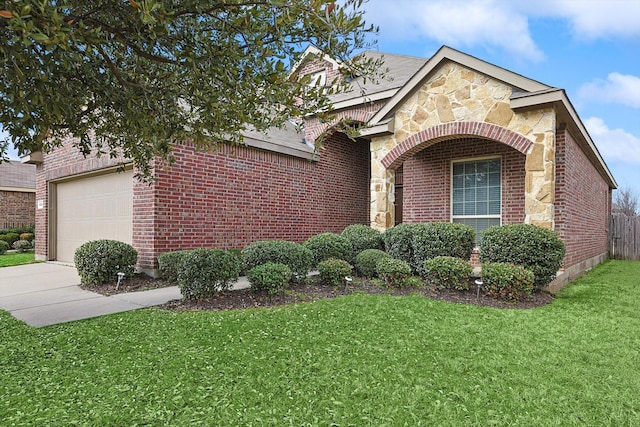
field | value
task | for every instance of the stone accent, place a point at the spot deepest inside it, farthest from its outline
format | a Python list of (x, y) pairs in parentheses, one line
[(456, 99)]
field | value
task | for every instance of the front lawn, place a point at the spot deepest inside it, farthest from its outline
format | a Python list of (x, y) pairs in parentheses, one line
[(358, 360), (14, 258)]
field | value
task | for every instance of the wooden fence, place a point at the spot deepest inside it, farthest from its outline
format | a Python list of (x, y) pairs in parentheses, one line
[(624, 237)]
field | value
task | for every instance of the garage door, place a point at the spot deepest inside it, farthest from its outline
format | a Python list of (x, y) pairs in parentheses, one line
[(98, 207)]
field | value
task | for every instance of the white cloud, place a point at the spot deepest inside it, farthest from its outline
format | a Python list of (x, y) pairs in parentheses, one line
[(468, 23), (618, 88), (614, 144), (592, 19)]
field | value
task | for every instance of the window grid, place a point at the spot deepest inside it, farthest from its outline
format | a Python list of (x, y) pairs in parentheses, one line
[(476, 193)]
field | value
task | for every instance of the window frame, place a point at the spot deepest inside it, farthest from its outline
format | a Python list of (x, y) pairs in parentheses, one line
[(452, 217)]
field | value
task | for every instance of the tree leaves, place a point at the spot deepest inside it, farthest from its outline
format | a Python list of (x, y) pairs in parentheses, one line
[(133, 78)]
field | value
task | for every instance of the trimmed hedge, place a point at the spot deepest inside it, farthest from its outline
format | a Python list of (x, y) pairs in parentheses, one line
[(329, 245), (445, 272), (394, 272), (270, 277), (10, 237), (294, 255), (535, 248), (363, 237), (397, 242), (506, 281), (100, 261), (4, 247), (170, 263), (334, 271), (206, 272), (441, 239), (366, 261)]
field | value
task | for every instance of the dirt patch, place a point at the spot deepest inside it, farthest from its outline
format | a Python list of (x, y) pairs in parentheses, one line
[(313, 291), (135, 283)]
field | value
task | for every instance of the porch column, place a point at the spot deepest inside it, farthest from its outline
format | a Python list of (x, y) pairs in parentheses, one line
[(381, 186), (540, 177)]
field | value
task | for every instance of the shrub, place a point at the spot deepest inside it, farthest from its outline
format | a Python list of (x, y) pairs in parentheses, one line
[(293, 255), (363, 237), (206, 272), (170, 264), (506, 281), (22, 245), (100, 261), (328, 245), (10, 237), (4, 247), (270, 277), (334, 271), (393, 271), (447, 272), (27, 236), (397, 242), (366, 261), (535, 248), (441, 239)]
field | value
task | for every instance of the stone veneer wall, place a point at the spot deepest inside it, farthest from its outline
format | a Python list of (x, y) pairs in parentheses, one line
[(455, 94)]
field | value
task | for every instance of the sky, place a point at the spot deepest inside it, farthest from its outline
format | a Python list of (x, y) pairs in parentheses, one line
[(590, 48)]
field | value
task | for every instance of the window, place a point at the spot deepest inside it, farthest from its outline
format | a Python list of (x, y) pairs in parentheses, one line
[(476, 193)]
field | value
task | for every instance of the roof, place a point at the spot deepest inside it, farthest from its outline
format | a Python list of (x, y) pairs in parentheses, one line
[(15, 175), (286, 140), (399, 69)]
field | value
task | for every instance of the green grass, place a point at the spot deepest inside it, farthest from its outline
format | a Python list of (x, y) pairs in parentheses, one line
[(360, 360), (11, 259)]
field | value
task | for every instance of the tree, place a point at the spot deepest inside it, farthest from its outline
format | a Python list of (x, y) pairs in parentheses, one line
[(133, 77), (625, 201)]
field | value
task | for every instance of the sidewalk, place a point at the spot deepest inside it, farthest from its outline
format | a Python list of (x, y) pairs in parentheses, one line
[(45, 294)]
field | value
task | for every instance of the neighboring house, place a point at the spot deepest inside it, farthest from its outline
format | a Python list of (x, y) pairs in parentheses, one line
[(449, 138), (17, 194)]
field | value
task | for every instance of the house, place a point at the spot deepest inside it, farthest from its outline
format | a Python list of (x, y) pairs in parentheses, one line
[(17, 194), (448, 138)]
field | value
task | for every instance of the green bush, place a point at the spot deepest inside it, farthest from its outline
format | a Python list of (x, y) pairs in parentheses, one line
[(170, 263), (334, 271), (270, 277), (328, 245), (22, 245), (4, 247), (506, 281), (10, 237), (535, 248), (18, 230), (366, 261), (441, 239), (394, 272), (206, 272), (445, 272), (293, 255), (397, 242), (100, 261), (363, 237)]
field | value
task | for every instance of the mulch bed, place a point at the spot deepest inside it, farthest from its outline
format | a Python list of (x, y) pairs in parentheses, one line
[(313, 291)]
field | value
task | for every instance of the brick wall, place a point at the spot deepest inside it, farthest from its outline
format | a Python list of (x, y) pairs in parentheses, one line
[(239, 195), (427, 180), (17, 208), (582, 202)]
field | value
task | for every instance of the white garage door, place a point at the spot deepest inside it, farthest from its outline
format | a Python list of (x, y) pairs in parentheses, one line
[(98, 207)]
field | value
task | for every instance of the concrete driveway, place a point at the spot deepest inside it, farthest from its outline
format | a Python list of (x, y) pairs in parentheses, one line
[(48, 293)]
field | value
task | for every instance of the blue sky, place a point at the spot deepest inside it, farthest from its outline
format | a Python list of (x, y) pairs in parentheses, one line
[(590, 48)]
